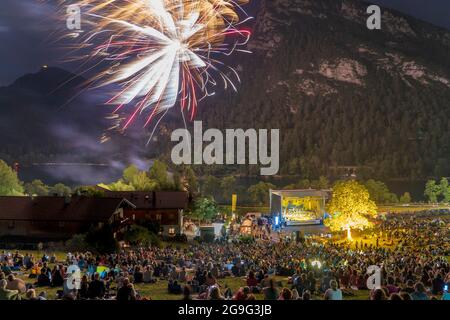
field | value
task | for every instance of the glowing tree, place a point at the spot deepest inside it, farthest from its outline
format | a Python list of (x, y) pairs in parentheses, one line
[(350, 207), (10, 184)]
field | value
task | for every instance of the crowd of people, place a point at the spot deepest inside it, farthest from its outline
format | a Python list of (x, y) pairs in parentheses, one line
[(410, 253)]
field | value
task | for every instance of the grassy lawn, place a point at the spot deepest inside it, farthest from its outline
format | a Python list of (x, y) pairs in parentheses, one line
[(410, 208), (158, 290)]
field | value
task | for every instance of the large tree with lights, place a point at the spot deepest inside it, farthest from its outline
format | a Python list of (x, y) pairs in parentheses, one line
[(10, 184), (350, 207)]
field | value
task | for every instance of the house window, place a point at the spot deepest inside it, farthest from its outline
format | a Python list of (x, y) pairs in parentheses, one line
[(171, 231), (158, 216), (11, 224), (61, 224)]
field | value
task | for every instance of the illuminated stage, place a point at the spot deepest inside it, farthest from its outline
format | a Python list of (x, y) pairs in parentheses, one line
[(298, 207)]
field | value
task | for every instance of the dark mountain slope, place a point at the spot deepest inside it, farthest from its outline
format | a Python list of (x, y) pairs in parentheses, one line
[(343, 95)]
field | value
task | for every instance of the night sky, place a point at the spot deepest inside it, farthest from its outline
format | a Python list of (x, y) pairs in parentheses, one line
[(26, 29)]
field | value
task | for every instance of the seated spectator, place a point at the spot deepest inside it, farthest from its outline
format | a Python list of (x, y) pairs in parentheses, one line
[(260, 276), (311, 282), (306, 295), (409, 288), (6, 269), (53, 258), (295, 295), (31, 295), (6, 294), (173, 273), (251, 297), (120, 279), (235, 270), (437, 285), (265, 281), (228, 294), (44, 258), (214, 294), (70, 296), (210, 280), (395, 296), (83, 292), (16, 284), (57, 277), (147, 277), (391, 287), (187, 293), (138, 276), (301, 283), (43, 280), (126, 292), (286, 294), (446, 296), (419, 292), (251, 280), (182, 275), (42, 295), (270, 292), (405, 295), (325, 284), (34, 272), (174, 287), (242, 294), (96, 288), (216, 272), (378, 294), (333, 293)]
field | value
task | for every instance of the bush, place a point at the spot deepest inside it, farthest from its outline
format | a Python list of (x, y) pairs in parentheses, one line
[(138, 235), (208, 238), (246, 239), (77, 243), (181, 238), (178, 238), (89, 192), (152, 226), (205, 238), (101, 239)]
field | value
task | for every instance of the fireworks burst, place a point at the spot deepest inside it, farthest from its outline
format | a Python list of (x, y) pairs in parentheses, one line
[(162, 52)]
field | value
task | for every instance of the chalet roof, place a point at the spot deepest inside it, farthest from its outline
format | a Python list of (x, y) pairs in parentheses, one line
[(171, 199), (153, 199), (59, 208), (140, 199)]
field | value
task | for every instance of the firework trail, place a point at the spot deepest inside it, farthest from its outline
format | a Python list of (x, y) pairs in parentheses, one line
[(162, 52)]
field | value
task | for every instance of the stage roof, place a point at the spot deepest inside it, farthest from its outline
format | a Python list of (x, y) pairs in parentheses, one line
[(301, 193)]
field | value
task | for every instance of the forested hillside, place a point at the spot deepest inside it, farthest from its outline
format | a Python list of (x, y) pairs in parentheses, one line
[(343, 95)]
